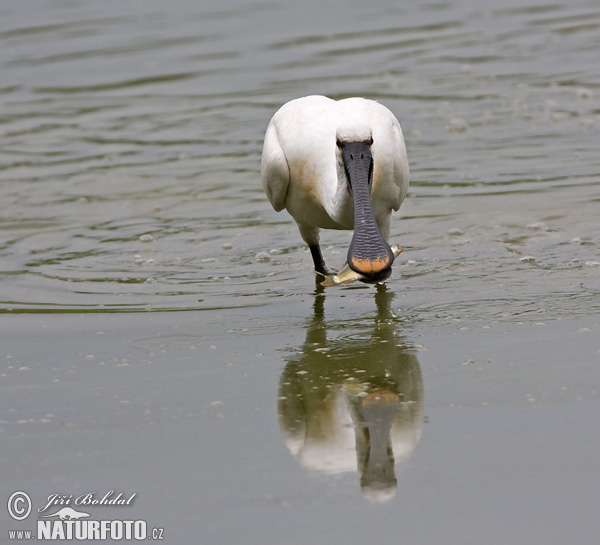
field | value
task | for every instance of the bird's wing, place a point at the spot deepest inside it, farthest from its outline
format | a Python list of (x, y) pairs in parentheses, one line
[(401, 170), (274, 169)]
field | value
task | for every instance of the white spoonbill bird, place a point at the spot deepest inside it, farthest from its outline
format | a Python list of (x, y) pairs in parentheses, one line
[(338, 164)]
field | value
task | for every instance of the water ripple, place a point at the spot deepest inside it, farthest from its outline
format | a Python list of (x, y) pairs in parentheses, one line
[(150, 124)]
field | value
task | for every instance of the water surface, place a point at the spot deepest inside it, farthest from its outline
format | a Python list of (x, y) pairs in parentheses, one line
[(146, 348)]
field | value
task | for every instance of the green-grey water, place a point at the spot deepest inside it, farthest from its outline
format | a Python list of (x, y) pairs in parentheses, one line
[(162, 333)]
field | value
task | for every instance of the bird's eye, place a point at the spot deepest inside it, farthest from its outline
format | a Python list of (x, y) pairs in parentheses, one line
[(338, 143), (371, 141)]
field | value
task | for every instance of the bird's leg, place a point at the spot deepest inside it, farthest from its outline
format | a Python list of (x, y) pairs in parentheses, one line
[(315, 251), (310, 235)]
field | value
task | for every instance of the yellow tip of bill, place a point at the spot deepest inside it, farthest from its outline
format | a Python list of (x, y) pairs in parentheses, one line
[(346, 275)]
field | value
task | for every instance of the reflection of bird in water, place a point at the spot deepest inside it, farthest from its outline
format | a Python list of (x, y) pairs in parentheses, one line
[(354, 402)]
